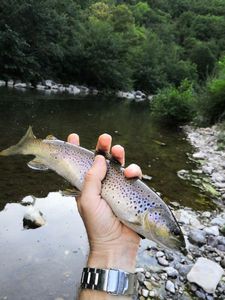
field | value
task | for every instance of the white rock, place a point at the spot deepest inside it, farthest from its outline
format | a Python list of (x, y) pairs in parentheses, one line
[(206, 274), (34, 215), (20, 85), (162, 261), (206, 214), (144, 292), (219, 221), (170, 286), (159, 254), (213, 230), (152, 294), (199, 155), (139, 270), (2, 82)]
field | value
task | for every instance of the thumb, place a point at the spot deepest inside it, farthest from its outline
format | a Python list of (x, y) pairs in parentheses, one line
[(93, 179)]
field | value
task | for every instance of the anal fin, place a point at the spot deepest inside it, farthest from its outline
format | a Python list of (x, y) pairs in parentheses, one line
[(36, 164)]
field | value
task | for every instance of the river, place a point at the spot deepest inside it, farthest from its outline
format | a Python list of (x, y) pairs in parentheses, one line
[(45, 263)]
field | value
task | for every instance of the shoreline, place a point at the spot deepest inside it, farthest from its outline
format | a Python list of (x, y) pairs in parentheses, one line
[(49, 86), (164, 274)]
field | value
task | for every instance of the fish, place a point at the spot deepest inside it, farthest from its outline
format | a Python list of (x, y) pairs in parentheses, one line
[(132, 201)]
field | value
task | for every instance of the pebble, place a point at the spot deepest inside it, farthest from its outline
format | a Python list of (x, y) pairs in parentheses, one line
[(162, 261), (197, 237), (144, 292), (213, 230), (171, 272), (159, 254), (222, 263), (152, 293), (170, 286), (148, 285), (140, 277), (206, 214)]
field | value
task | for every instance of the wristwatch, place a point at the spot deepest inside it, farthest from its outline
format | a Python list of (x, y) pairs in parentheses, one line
[(112, 281)]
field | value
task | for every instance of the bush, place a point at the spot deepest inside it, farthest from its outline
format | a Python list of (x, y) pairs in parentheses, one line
[(175, 105), (212, 99)]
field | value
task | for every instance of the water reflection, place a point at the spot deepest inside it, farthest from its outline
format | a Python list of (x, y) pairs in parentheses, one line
[(42, 263)]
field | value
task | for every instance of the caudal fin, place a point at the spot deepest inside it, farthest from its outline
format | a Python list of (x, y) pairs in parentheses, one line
[(19, 147)]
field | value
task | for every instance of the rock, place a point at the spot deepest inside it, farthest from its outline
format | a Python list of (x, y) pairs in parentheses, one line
[(206, 214), (221, 248), (212, 241), (206, 274), (170, 286), (140, 276), (171, 272), (183, 216), (152, 294), (200, 294), (33, 218), (184, 269), (148, 285), (144, 292), (147, 274), (183, 174), (219, 221), (213, 230), (139, 270), (162, 261), (159, 254), (221, 240), (199, 155), (197, 237), (208, 169), (28, 200)]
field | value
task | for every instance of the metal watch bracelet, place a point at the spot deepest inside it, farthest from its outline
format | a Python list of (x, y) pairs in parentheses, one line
[(112, 281)]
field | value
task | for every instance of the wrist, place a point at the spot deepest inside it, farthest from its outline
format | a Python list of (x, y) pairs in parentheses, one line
[(119, 257)]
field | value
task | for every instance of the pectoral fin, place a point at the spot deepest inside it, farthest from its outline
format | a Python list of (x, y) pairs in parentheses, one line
[(36, 164)]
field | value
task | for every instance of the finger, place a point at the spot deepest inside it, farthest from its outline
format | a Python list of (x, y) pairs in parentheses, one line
[(104, 142), (93, 179), (132, 171), (118, 153), (73, 138)]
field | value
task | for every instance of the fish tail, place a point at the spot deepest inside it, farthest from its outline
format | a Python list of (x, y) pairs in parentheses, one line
[(21, 146)]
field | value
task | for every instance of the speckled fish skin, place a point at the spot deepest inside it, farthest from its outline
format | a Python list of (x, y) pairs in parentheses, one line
[(132, 201)]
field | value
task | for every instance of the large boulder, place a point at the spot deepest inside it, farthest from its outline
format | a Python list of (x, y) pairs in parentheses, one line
[(206, 273)]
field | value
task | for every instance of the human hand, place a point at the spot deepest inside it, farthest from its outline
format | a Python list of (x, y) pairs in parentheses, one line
[(112, 244)]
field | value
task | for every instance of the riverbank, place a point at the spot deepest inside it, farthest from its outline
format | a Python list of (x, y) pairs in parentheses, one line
[(49, 86), (164, 274)]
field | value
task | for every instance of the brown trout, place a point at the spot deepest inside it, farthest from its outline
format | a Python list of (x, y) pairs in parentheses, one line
[(132, 201)]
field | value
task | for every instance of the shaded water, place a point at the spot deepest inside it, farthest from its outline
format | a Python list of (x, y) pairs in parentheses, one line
[(46, 263), (129, 123)]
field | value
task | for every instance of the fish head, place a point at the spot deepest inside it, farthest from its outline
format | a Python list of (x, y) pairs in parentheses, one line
[(163, 228)]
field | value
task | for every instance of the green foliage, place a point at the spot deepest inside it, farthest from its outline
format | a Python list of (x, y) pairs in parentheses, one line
[(211, 104), (142, 44), (175, 105)]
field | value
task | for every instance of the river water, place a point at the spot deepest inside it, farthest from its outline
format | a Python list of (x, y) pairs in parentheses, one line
[(45, 263)]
